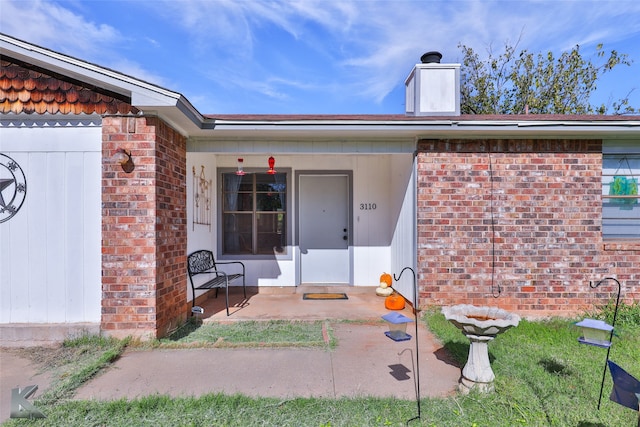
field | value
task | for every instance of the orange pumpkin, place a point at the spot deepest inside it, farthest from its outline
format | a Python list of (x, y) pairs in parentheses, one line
[(386, 278), (395, 301)]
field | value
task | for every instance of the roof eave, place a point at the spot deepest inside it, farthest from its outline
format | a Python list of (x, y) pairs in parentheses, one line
[(431, 128)]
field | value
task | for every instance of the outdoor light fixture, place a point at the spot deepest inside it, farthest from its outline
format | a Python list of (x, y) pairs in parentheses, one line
[(240, 170), (124, 158), (272, 163)]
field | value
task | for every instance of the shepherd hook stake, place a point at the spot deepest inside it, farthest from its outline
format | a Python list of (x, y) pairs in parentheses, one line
[(416, 372), (615, 314)]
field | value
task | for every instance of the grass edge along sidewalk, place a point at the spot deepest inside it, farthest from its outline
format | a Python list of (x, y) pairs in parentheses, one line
[(543, 378)]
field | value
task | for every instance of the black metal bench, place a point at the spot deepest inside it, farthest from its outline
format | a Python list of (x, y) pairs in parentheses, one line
[(202, 262)]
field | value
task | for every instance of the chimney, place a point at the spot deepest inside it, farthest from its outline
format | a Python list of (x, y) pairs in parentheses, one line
[(432, 88)]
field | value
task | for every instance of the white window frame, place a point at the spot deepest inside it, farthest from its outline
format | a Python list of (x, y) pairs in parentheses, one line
[(286, 250), (620, 215)]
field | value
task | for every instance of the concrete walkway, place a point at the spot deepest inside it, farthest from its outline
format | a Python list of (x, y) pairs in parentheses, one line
[(365, 362)]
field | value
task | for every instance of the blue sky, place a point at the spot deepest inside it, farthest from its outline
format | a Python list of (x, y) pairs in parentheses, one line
[(316, 56)]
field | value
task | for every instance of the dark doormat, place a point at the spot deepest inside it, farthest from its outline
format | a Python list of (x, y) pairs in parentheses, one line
[(325, 295)]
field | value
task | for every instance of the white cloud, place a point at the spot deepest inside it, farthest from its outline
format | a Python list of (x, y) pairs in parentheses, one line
[(373, 44), (289, 48), (53, 26), (49, 24)]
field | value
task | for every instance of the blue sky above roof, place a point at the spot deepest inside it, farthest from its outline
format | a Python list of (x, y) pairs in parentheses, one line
[(324, 56)]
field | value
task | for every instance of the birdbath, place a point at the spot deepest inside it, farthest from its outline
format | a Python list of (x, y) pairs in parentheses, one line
[(480, 325)]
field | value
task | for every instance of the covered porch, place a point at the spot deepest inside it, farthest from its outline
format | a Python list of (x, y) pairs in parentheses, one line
[(333, 213)]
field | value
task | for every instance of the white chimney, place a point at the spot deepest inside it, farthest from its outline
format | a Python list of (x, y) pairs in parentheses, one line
[(432, 88)]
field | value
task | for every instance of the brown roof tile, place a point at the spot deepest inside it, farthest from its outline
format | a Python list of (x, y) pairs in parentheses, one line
[(27, 90)]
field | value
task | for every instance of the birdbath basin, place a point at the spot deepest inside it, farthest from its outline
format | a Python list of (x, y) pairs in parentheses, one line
[(480, 325)]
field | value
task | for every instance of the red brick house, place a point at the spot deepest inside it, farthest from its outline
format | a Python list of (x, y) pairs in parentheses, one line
[(520, 211)]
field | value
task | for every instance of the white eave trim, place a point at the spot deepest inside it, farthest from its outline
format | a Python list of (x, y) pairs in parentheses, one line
[(222, 124), (447, 122)]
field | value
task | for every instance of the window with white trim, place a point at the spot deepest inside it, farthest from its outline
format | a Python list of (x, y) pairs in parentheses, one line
[(620, 199), (254, 213)]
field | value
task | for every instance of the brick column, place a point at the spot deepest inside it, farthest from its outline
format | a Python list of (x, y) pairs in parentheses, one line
[(144, 234)]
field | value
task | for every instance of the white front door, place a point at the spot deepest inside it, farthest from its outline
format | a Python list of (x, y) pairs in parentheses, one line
[(323, 218)]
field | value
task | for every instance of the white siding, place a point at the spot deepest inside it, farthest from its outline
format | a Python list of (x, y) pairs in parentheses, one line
[(50, 255), (403, 245), (383, 180), (372, 226), (200, 236)]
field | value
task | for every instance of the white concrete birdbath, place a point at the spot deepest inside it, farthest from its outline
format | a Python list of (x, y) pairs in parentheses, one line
[(480, 325)]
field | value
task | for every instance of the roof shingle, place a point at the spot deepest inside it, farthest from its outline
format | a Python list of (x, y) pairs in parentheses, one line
[(28, 91)]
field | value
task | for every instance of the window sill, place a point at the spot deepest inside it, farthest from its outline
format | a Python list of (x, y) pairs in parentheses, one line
[(622, 245)]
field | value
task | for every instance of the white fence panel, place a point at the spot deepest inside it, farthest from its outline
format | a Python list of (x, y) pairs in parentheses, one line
[(50, 251)]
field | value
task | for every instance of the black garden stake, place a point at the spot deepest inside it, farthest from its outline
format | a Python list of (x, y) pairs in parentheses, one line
[(613, 324), (417, 367)]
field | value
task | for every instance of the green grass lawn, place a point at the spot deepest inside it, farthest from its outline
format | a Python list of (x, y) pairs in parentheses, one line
[(544, 377), (272, 333)]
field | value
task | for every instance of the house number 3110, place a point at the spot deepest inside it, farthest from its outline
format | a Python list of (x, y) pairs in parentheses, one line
[(368, 206)]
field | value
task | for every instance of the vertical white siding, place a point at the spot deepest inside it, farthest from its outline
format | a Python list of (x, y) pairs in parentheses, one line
[(372, 204), (50, 254), (35, 208), (200, 236), (54, 241), (403, 244), (92, 235)]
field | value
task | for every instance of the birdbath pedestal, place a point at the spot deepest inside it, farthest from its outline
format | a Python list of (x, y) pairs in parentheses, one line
[(480, 325)]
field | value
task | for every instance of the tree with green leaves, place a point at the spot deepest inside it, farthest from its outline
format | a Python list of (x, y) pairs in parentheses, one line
[(524, 83)]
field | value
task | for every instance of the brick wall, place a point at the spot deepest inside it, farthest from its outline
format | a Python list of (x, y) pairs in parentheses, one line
[(144, 228), (171, 227), (515, 224)]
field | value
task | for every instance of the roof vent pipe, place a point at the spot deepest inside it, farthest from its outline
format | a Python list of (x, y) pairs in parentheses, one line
[(431, 57)]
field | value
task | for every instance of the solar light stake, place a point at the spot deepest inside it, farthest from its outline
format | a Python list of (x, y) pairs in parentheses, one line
[(416, 372), (613, 324)]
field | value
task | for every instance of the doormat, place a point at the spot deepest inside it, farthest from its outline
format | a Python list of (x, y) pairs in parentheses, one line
[(324, 296)]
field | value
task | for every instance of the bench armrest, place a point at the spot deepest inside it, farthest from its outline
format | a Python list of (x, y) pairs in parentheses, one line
[(231, 262)]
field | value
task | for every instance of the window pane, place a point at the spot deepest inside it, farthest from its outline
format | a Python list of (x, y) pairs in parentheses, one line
[(271, 183), (271, 233), (238, 202), (246, 182), (237, 233), (621, 206), (271, 192), (253, 213), (620, 221), (237, 192), (270, 202)]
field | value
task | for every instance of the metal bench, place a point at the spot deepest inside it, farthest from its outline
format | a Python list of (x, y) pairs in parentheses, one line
[(202, 263)]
